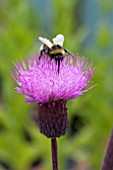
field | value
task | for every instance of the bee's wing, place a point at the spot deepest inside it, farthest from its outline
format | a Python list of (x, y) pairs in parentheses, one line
[(46, 42), (41, 47), (59, 39)]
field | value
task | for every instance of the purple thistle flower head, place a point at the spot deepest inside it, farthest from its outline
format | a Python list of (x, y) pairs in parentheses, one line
[(40, 82)]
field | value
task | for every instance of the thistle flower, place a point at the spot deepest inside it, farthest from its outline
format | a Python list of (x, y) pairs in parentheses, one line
[(40, 82)]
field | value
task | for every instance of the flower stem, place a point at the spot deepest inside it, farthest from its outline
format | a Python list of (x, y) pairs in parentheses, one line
[(54, 153), (108, 159)]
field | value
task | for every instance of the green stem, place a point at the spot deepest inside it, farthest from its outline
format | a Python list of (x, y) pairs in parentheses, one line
[(54, 153)]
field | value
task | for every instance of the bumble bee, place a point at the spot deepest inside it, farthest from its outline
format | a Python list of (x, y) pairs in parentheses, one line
[(54, 50)]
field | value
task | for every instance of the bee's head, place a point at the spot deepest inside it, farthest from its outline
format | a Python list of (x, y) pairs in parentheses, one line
[(55, 47)]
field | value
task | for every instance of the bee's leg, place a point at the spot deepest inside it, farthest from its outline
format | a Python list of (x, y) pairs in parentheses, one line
[(41, 53), (68, 52), (58, 63)]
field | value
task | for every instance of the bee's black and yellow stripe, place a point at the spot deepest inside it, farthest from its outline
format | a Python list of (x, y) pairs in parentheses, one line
[(57, 51)]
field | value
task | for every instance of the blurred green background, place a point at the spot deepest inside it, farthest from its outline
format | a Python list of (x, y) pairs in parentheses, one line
[(88, 29)]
